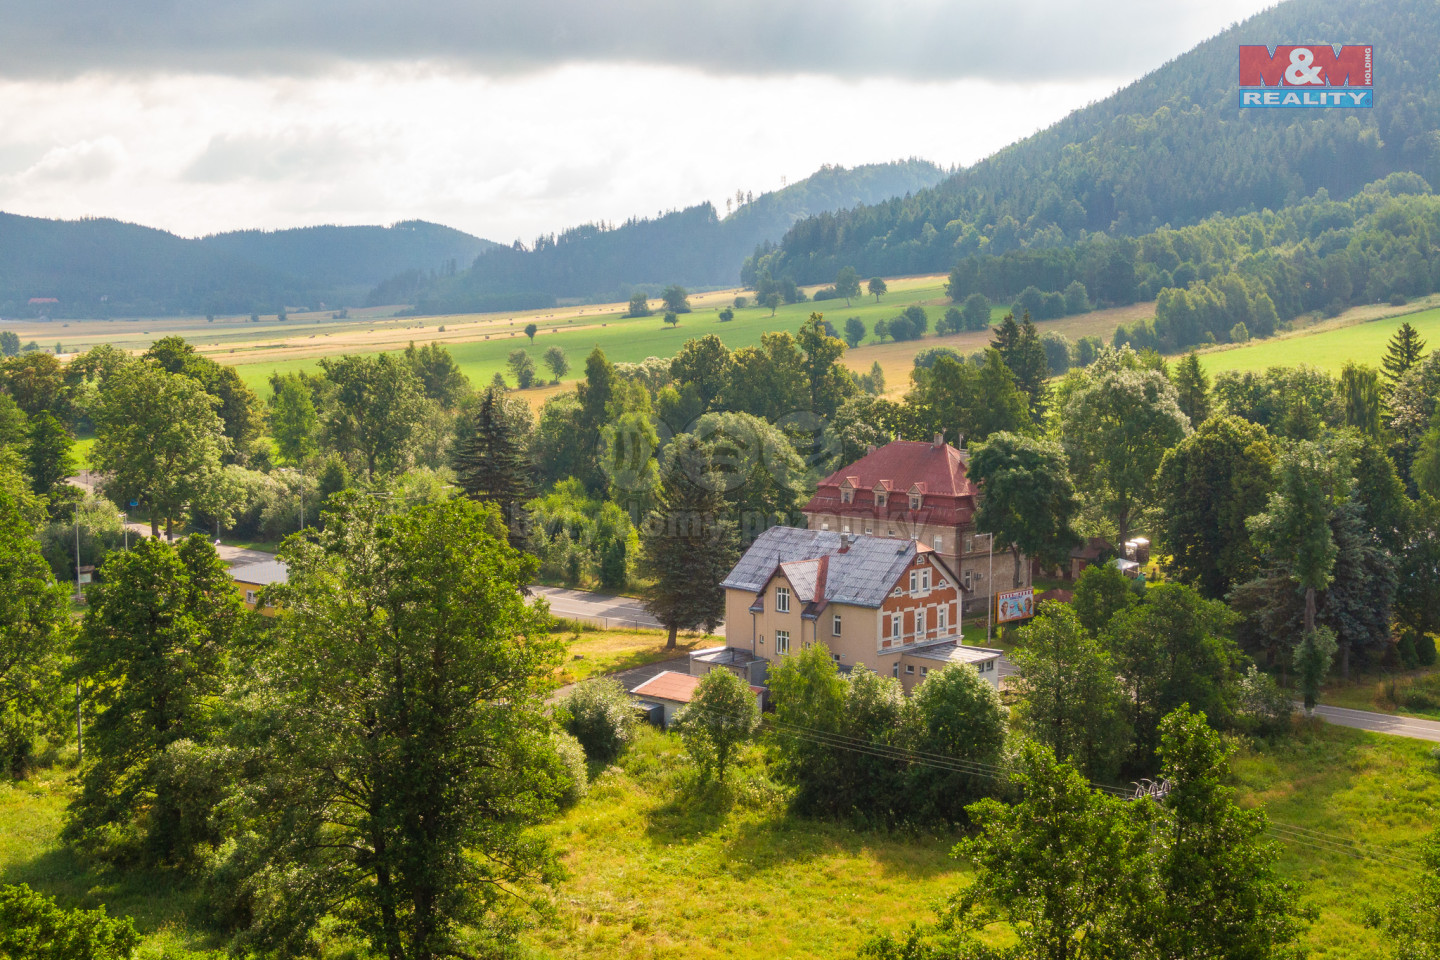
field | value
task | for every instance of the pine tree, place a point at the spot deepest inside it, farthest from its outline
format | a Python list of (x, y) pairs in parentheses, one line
[(1404, 352), (1020, 347), (492, 465), (688, 543), (1194, 389)]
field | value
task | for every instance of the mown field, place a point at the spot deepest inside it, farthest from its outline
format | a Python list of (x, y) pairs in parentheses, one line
[(1329, 345), (656, 873)]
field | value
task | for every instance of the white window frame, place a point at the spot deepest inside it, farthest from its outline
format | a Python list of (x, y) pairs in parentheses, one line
[(847, 495), (835, 657), (835, 625), (869, 530), (895, 669), (250, 597), (897, 625), (910, 669), (914, 581), (920, 622), (782, 599), (761, 640), (782, 642), (925, 579), (969, 544), (824, 524), (915, 501), (845, 527), (942, 617), (938, 542), (924, 671)]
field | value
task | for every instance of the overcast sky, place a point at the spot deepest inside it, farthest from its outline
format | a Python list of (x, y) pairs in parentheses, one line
[(510, 119)]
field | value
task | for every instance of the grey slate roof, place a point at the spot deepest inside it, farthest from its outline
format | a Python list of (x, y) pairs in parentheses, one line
[(951, 651), (861, 576), (263, 573)]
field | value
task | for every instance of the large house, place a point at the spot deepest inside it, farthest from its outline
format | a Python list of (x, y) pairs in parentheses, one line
[(919, 491), (890, 603)]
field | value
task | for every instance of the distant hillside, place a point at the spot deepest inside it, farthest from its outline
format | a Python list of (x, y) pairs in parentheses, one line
[(101, 267), (1173, 147), (693, 247)]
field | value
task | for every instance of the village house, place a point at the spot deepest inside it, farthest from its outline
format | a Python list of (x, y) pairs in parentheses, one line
[(892, 604), (919, 491), (252, 578)]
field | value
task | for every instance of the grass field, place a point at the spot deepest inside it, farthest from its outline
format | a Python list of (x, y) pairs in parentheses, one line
[(654, 874), (1412, 693), (481, 343), (1329, 345)]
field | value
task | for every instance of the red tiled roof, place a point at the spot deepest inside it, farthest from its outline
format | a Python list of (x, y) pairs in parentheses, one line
[(940, 471), (901, 466)]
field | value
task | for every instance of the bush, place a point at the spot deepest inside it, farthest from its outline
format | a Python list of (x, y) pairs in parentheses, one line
[(600, 715), (952, 322), (572, 759), (35, 927), (721, 716), (1077, 298), (975, 312), (741, 303), (1398, 300), (1263, 707), (1239, 333), (825, 293), (727, 315)]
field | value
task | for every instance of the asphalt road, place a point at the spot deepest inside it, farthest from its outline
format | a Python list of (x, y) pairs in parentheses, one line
[(615, 612), (1381, 723)]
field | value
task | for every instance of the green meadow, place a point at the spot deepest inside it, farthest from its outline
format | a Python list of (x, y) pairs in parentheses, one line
[(1328, 349)]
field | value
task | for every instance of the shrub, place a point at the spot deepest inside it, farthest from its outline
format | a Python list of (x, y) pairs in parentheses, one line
[(1264, 708), (572, 759), (1398, 300), (35, 927), (599, 714), (722, 715), (1239, 333), (727, 315), (825, 293), (952, 322), (741, 303)]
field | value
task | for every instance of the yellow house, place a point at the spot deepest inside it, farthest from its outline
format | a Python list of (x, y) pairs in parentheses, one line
[(251, 578)]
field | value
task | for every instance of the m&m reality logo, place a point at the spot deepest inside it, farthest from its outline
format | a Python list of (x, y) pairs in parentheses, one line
[(1307, 75)]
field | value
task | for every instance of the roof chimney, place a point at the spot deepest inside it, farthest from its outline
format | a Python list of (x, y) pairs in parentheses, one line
[(939, 439)]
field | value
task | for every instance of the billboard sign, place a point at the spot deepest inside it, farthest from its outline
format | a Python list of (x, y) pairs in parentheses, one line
[(1015, 605), (1310, 75)]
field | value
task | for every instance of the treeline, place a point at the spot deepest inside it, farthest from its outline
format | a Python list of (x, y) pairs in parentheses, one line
[(1168, 149), (106, 268), (694, 246)]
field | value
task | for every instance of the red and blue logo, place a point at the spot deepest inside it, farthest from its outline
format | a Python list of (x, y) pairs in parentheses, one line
[(1307, 75)]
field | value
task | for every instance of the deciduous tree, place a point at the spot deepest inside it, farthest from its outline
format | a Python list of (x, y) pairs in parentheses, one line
[(374, 411), (1029, 501), (847, 285), (720, 718)]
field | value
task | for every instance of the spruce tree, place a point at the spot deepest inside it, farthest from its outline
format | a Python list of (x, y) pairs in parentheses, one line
[(688, 543), (491, 462), (1404, 352), (1020, 347), (1193, 388)]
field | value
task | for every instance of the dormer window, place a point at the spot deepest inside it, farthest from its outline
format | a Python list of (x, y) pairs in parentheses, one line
[(847, 495), (915, 499), (879, 498)]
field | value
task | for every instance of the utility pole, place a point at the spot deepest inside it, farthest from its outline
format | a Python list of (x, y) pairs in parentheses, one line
[(78, 592)]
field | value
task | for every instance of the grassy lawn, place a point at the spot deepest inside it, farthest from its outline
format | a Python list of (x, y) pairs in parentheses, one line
[(1329, 346), (653, 872), (1410, 693), (595, 652)]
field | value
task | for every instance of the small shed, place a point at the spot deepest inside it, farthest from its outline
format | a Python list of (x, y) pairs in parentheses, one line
[(672, 690)]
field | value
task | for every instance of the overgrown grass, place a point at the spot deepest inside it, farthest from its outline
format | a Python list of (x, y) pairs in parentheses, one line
[(1412, 693), (658, 868)]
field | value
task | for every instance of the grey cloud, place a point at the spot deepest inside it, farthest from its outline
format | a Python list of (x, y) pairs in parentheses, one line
[(266, 157), (1016, 42)]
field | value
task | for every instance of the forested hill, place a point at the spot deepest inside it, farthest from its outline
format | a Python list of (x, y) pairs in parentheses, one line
[(693, 247), (101, 267), (1173, 147)]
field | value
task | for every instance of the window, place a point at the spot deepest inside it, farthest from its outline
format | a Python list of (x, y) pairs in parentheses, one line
[(914, 581), (761, 640), (835, 625), (890, 532), (782, 642), (895, 624), (939, 542), (920, 622), (782, 599), (915, 501), (250, 597), (845, 527), (824, 524), (989, 664), (925, 579), (941, 617), (895, 669), (969, 544), (924, 671), (869, 529), (835, 657), (880, 498), (847, 495), (969, 580), (909, 668)]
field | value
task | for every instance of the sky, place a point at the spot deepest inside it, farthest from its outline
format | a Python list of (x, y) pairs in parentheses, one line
[(510, 120)]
